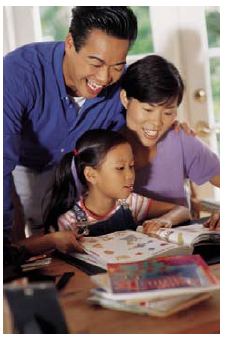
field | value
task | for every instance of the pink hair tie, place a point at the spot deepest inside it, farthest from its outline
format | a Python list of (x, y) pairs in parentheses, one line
[(75, 152)]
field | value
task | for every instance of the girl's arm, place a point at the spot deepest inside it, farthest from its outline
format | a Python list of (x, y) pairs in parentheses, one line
[(164, 214), (64, 241)]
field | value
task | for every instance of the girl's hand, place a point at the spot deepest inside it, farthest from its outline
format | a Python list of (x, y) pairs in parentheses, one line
[(154, 224), (66, 241), (214, 222), (185, 127)]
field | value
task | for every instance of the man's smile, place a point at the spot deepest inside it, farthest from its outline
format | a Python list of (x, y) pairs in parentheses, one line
[(93, 87)]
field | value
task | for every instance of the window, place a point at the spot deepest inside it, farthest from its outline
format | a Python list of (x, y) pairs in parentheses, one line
[(55, 21), (144, 42), (213, 32)]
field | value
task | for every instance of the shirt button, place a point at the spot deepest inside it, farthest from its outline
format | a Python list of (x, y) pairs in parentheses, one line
[(62, 150)]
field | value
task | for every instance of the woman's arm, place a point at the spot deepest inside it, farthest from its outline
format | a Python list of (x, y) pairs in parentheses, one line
[(215, 180), (164, 214), (64, 241)]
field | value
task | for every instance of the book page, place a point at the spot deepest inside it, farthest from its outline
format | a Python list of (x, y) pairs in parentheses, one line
[(185, 235), (125, 246)]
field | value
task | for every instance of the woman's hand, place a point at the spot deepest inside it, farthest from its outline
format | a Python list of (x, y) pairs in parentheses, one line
[(214, 222), (154, 224), (66, 241), (184, 126)]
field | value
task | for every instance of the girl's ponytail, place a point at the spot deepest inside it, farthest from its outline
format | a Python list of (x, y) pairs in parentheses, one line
[(63, 194)]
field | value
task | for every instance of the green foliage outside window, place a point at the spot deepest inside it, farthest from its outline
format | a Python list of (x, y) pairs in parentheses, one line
[(144, 42), (55, 24), (215, 85), (213, 27), (213, 32)]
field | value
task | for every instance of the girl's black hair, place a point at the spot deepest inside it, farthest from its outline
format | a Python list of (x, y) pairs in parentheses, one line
[(117, 21), (153, 79), (92, 148)]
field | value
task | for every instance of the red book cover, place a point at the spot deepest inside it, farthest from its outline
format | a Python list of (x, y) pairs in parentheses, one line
[(160, 273)]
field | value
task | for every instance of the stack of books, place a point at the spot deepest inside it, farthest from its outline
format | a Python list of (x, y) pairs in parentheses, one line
[(158, 286)]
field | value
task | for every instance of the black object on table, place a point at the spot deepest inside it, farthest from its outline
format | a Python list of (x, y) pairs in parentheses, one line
[(35, 308), (64, 280), (84, 266)]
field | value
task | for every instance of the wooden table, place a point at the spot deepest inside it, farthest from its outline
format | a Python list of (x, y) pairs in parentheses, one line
[(82, 317)]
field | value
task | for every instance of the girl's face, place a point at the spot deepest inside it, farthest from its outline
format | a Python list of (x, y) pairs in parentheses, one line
[(148, 121), (115, 176)]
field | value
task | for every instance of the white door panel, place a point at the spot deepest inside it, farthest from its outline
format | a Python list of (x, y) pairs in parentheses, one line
[(180, 35)]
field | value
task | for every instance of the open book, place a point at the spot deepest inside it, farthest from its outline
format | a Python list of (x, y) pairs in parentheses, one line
[(192, 235), (155, 278), (126, 246)]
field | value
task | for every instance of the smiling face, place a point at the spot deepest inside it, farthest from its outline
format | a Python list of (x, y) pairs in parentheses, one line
[(99, 63), (149, 121), (115, 176)]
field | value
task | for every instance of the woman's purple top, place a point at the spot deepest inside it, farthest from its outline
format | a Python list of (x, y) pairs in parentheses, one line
[(179, 157)]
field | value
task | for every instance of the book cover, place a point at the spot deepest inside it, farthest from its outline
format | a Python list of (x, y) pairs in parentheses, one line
[(160, 273)]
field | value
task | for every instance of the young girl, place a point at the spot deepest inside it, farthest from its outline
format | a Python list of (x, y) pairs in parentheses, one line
[(105, 166)]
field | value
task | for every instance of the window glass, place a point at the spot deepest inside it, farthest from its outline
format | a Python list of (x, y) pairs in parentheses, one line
[(213, 25), (213, 32), (55, 21), (215, 84), (144, 42)]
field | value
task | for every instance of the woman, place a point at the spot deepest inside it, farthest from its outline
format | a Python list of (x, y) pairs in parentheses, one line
[(152, 89)]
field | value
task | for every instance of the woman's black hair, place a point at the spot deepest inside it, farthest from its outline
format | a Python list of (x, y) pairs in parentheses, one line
[(117, 21), (153, 80), (92, 148)]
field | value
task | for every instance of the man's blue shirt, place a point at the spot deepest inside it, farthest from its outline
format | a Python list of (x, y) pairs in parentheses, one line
[(40, 122)]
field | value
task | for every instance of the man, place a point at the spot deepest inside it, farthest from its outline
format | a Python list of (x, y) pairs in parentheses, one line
[(53, 93)]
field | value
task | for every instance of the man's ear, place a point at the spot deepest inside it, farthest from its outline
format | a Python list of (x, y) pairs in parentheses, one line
[(123, 98), (90, 174), (69, 44)]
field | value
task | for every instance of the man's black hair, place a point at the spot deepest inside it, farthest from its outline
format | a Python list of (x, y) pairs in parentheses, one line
[(153, 80), (117, 21)]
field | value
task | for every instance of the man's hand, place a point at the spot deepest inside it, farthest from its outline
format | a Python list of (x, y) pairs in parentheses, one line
[(66, 241), (154, 224), (214, 222), (184, 126)]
